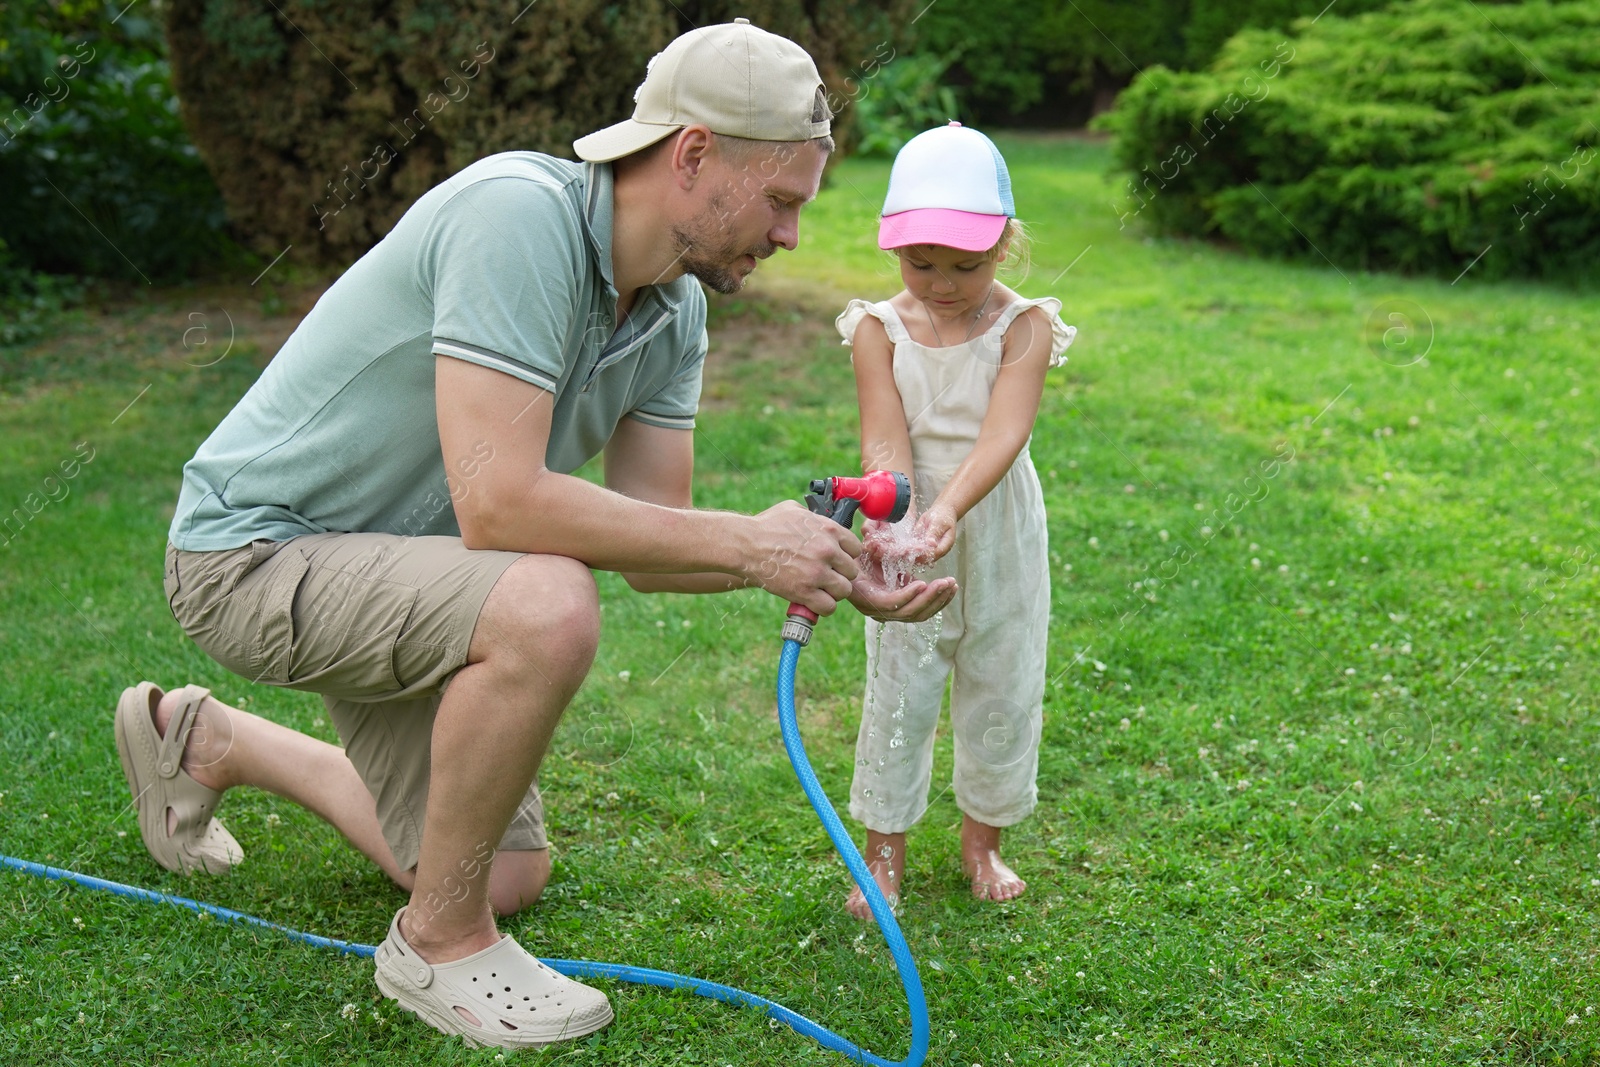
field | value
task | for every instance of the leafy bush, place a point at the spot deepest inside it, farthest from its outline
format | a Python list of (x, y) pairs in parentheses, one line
[(323, 122), (30, 300), (1412, 138), (904, 99), (99, 176), (1019, 54)]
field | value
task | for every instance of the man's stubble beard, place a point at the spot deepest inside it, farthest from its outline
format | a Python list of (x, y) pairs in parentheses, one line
[(706, 252)]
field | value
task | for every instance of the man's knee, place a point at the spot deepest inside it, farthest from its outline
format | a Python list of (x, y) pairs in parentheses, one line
[(517, 879), (547, 603)]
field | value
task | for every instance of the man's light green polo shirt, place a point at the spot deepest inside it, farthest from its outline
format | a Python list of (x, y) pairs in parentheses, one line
[(506, 265)]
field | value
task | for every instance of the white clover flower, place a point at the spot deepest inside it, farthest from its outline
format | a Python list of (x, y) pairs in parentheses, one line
[(348, 1011), (624, 675)]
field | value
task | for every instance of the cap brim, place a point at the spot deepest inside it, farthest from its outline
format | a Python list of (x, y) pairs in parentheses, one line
[(965, 230), (622, 139)]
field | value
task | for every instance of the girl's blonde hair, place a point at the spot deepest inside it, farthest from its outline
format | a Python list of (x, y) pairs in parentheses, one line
[(1016, 244)]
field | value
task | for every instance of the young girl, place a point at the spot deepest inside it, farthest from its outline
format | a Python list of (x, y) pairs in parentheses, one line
[(949, 373)]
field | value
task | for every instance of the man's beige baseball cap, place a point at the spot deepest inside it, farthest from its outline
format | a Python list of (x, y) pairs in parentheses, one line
[(734, 78)]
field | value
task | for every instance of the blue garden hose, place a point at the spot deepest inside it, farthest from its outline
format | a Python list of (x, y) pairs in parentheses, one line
[(881, 911)]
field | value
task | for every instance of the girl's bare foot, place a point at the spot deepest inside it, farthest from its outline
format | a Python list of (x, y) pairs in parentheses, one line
[(980, 858), (886, 859)]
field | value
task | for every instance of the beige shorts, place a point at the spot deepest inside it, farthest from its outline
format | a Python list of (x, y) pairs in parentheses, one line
[(376, 624)]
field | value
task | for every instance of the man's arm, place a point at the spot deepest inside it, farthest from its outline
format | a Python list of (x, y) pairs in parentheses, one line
[(656, 465), (494, 430)]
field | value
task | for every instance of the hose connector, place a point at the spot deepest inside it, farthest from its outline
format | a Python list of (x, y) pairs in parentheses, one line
[(797, 625), (797, 630)]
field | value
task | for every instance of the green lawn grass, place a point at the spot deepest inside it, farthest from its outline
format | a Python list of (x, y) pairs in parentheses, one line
[(1318, 774)]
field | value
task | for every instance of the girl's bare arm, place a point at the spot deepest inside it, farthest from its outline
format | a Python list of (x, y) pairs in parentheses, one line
[(1013, 407)]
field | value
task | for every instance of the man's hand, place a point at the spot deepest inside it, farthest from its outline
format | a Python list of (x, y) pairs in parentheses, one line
[(801, 557)]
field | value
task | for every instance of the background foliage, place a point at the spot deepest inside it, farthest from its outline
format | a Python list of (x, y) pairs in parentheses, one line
[(1412, 138), (907, 97), (1054, 63), (98, 173), (296, 104)]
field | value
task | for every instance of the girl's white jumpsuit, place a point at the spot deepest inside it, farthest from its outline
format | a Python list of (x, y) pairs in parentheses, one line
[(993, 635)]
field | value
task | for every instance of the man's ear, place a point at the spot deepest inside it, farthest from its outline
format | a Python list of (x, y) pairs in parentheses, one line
[(691, 150)]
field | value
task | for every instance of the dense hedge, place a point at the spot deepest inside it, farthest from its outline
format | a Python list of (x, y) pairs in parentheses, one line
[(322, 122), (1055, 61), (1413, 138), (97, 176)]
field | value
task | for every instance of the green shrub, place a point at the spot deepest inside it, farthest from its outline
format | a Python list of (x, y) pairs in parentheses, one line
[(323, 122), (904, 99), (31, 300), (1414, 138), (99, 176), (1021, 54)]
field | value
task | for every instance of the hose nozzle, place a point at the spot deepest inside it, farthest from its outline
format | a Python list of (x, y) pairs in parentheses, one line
[(881, 495)]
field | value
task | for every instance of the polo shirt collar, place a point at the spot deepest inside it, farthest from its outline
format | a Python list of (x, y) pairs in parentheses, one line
[(599, 215)]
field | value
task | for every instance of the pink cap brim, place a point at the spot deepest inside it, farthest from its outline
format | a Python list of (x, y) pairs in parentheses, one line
[(965, 230)]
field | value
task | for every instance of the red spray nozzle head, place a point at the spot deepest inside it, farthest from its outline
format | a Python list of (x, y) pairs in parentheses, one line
[(882, 495)]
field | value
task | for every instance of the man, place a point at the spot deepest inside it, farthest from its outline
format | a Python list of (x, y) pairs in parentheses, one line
[(387, 518)]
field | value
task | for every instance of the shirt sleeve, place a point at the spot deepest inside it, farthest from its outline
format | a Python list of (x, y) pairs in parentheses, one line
[(503, 259), (674, 405)]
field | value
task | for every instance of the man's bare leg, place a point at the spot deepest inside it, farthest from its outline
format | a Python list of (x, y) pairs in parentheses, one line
[(534, 643), (229, 747)]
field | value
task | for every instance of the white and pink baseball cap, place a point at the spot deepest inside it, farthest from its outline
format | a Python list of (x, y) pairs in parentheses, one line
[(949, 186)]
